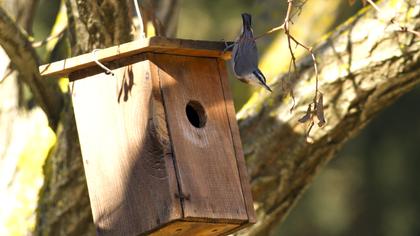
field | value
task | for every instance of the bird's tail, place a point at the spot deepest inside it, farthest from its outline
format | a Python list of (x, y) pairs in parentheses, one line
[(246, 21), (262, 79)]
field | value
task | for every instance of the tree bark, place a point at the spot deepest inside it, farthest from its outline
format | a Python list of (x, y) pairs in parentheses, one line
[(164, 15)]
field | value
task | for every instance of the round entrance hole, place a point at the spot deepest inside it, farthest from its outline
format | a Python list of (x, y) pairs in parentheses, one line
[(196, 114)]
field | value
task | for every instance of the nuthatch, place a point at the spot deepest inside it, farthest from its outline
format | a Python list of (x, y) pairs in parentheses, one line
[(245, 56)]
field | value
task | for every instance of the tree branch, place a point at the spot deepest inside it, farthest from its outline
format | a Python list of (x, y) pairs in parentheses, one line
[(363, 68), (16, 44), (167, 13)]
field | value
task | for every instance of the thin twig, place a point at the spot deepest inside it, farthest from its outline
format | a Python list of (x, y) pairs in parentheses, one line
[(275, 29), (317, 112), (293, 60), (282, 26), (289, 10), (309, 49), (316, 76), (49, 38), (8, 72)]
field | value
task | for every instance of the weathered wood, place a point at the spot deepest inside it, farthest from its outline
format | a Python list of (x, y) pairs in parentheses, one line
[(205, 157), (155, 44), (230, 109), (144, 177), (159, 139), (179, 228), (126, 153)]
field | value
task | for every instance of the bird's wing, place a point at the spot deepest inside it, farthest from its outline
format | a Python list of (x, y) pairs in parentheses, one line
[(246, 57)]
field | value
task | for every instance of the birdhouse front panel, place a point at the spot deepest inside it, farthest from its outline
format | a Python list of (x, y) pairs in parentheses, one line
[(159, 139), (201, 137), (126, 150)]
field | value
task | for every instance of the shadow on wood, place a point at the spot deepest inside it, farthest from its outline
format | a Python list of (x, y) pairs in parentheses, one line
[(150, 168)]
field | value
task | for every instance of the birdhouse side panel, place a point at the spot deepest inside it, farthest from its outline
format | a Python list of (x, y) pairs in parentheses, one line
[(202, 142), (126, 150), (236, 138)]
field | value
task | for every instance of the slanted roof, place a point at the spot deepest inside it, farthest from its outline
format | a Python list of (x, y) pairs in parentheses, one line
[(155, 44)]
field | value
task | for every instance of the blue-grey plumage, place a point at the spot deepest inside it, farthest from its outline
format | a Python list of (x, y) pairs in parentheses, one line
[(245, 56)]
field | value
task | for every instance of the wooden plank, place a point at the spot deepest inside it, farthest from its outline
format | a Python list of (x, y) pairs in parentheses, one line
[(155, 44), (185, 228), (230, 109), (205, 157), (126, 153)]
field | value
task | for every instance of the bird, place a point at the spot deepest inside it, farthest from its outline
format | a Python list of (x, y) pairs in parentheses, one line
[(245, 56)]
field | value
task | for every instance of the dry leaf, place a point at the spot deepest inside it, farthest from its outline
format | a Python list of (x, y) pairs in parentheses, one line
[(320, 110), (307, 116)]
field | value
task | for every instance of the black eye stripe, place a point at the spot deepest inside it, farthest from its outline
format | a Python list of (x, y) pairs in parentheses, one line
[(259, 76)]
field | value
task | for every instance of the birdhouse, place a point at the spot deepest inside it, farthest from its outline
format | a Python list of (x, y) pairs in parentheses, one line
[(159, 139)]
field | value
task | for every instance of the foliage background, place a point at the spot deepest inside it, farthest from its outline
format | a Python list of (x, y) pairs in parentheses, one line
[(370, 188)]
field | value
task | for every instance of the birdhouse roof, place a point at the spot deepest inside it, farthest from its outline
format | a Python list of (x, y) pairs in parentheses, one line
[(186, 47)]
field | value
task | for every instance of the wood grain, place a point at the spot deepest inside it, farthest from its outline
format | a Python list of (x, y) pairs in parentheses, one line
[(243, 173), (189, 228), (126, 152), (155, 44), (149, 170), (205, 157)]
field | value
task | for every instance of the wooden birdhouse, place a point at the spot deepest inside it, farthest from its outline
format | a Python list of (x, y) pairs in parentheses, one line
[(159, 138)]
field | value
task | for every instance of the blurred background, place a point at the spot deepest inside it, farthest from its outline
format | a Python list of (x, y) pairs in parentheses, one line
[(370, 188)]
